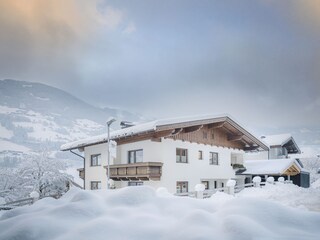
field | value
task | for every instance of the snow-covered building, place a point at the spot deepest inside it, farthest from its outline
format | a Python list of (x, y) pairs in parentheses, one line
[(173, 153), (280, 146), (276, 161)]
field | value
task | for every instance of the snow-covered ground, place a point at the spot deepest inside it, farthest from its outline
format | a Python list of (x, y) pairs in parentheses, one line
[(143, 213)]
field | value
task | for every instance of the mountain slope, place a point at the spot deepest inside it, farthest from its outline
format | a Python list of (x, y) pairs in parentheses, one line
[(33, 115)]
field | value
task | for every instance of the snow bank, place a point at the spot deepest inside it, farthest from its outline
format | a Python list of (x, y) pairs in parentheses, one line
[(142, 213), (286, 194)]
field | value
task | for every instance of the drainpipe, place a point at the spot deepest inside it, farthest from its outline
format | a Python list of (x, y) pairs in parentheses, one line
[(84, 167)]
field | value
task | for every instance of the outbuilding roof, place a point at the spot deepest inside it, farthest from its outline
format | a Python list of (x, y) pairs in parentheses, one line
[(285, 166)]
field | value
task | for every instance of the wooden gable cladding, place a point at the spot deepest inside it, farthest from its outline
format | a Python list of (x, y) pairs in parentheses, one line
[(292, 170), (212, 135)]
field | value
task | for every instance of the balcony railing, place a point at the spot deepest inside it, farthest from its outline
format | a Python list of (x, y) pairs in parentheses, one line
[(81, 172), (143, 171)]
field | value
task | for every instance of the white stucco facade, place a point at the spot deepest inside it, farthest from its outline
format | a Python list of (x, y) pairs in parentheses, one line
[(192, 172)]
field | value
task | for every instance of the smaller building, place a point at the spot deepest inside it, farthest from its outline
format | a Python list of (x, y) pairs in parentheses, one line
[(276, 161)]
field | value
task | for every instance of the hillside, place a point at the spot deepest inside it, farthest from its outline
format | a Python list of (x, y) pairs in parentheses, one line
[(35, 116)]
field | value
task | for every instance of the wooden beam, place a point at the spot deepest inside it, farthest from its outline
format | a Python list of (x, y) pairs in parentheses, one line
[(176, 131), (251, 148), (192, 129), (235, 138), (216, 125)]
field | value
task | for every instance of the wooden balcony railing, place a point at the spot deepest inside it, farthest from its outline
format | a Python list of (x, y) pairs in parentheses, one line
[(81, 172), (143, 171)]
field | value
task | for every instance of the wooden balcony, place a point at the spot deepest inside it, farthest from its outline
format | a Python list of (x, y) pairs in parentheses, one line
[(81, 172), (143, 171)]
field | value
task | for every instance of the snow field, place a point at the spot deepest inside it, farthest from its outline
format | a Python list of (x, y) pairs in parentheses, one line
[(143, 213)]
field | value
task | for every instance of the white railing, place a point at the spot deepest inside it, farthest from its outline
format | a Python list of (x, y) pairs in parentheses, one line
[(230, 189)]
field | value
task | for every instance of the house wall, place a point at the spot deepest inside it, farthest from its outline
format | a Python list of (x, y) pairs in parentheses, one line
[(263, 155), (274, 153), (165, 151), (96, 173)]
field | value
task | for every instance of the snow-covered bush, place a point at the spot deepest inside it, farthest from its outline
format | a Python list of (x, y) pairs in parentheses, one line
[(231, 183), (256, 179), (281, 179), (199, 187), (270, 180), (36, 172)]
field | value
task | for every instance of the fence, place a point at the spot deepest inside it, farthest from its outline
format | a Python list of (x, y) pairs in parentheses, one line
[(231, 188)]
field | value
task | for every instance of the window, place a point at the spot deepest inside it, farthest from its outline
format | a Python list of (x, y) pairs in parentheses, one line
[(181, 155), (212, 134), (205, 135), (96, 160), (135, 156), (135, 183), (95, 185), (200, 155), (206, 184), (214, 158), (182, 187)]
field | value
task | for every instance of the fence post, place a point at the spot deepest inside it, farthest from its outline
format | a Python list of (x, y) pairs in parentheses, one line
[(230, 186), (256, 181), (199, 188)]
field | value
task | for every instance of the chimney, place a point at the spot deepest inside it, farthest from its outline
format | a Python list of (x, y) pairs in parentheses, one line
[(126, 124)]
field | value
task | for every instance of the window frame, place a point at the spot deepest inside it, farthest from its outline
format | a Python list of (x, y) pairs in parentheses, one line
[(206, 184), (98, 160), (95, 182), (134, 156), (200, 155), (135, 183), (180, 184), (211, 158), (180, 155)]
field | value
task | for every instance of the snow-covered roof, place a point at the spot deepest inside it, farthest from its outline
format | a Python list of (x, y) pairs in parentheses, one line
[(157, 125), (276, 140), (282, 140), (270, 166)]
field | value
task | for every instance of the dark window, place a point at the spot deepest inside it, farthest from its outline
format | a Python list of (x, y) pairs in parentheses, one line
[(215, 184), (200, 155), (206, 184), (135, 156), (95, 185), (181, 155), (135, 183), (182, 187), (205, 135), (96, 160), (214, 158)]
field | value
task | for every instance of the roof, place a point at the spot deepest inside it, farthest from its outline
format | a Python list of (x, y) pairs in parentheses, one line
[(285, 140), (270, 166), (162, 125), (276, 140)]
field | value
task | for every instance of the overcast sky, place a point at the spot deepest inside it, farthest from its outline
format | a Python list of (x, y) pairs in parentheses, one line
[(256, 60)]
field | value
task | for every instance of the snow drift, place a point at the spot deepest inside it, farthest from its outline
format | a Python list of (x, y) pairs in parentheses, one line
[(142, 213)]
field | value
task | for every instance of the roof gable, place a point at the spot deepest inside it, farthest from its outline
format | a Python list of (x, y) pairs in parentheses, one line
[(283, 140)]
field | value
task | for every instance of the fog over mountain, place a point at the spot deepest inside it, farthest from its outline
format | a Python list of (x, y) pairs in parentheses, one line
[(35, 115)]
